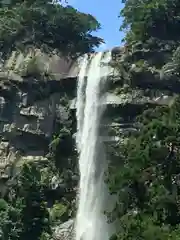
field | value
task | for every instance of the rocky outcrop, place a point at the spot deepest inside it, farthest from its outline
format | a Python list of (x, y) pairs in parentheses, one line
[(35, 90), (38, 95), (64, 231), (134, 89)]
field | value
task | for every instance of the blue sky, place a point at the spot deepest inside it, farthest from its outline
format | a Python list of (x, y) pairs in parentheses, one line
[(106, 12)]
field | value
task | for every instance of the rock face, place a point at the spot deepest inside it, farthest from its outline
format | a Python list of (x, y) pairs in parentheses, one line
[(124, 104), (34, 93), (125, 101), (37, 95), (65, 231)]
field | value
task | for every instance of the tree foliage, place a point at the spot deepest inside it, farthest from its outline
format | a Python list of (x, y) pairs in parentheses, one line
[(151, 18), (24, 215), (146, 175), (53, 28), (147, 183), (47, 26)]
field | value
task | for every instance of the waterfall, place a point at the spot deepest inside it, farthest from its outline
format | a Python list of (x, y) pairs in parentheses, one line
[(80, 100), (91, 223)]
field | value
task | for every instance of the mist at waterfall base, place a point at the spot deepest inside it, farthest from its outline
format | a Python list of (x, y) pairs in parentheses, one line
[(91, 222)]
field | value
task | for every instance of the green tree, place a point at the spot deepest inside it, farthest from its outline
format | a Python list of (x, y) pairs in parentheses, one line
[(10, 221), (46, 26), (35, 217), (147, 183), (151, 18), (25, 214)]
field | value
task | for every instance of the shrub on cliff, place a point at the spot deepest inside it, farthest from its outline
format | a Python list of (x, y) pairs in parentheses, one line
[(147, 180), (152, 37), (25, 215), (34, 214), (46, 26), (151, 18)]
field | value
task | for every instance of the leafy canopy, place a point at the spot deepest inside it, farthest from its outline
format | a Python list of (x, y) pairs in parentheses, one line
[(151, 18), (147, 183), (41, 24)]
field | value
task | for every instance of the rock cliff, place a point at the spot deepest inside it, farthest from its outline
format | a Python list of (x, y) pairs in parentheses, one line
[(37, 95), (38, 98), (35, 90), (125, 101)]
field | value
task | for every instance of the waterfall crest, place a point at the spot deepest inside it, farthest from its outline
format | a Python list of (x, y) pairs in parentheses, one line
[(91, 223)]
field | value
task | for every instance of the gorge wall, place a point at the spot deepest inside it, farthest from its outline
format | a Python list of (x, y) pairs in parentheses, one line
[(38, 94), (33, 105), (38, 98)]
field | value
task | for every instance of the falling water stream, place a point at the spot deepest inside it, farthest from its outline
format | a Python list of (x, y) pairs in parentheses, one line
[(91, 223)]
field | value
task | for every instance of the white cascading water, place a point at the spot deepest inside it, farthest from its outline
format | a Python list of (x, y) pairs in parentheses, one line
[(80, 100), (91, 223)]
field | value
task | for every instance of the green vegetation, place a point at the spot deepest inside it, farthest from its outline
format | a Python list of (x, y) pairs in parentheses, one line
[(151, 19), (145, 175), (50, 27), (145, 171), (147, 181), (151, 44), (41, 195), (32, 205), (23, 212)]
